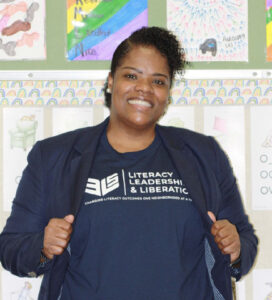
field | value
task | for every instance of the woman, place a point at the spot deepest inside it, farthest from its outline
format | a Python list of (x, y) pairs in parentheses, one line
[(129, 209)]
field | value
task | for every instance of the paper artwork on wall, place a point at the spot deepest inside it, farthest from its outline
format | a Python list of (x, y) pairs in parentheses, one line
[(22, 128), (96, 28), (262, 284), (269, 30), (210, 30), (17, 288), (261, 157), (226, 124), (22, 30), (71, 118), (179, 116)]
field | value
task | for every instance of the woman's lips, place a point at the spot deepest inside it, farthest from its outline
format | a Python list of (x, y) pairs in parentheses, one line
[(140, 102)]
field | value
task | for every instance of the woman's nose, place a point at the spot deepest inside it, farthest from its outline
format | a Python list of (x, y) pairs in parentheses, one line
[(144, 85)]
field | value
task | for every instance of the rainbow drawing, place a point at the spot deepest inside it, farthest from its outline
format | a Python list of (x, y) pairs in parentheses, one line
[(29, 102), (4, 84), (182, 100), (39, 84), (268, 30), (217, 82), (70, 92), (51, 83), (91, 92), (217, 100), (86, 83), (222, 92), (4, 102), (252, 100), (2, 93), (52, 102), (240, 100), (95, 28), (268, 91), (39, 102), (199, 92), (21, 93), (34, 92), (234, 91), (17, 101), (264, 101), (56, 93), (74, 101), (252, 81), (204, 100), (87, 101), (229, 101), (257, 91)]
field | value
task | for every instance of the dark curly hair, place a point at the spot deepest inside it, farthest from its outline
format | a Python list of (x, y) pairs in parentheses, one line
[(162, 39)]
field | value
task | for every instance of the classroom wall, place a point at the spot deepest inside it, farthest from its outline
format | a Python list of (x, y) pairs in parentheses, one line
[(236, 111)]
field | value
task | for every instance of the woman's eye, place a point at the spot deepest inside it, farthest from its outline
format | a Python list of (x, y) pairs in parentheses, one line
[(131, 76), (159, 82)]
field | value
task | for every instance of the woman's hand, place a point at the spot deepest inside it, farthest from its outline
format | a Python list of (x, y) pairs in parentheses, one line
[(226, 237), (57, 235)]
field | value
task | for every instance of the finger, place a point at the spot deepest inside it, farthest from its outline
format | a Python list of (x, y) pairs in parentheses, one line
[(60, 223), (212, 216), (69, 218), (55, 250)]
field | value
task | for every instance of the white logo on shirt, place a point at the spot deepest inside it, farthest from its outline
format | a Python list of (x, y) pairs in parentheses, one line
[(102, 187)]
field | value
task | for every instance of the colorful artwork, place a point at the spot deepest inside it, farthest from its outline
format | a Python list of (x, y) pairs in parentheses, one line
[(90, 92), (22, 127), (22, 34), (269, 30), (210, 30), (96, 28)]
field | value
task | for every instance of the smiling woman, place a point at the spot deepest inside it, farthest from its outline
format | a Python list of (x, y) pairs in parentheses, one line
[(129, 209)]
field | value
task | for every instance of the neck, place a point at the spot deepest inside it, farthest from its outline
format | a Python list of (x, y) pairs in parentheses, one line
[(124, 139)]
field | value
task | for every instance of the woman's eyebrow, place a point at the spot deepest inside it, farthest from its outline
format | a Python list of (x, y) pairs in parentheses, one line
[(141, 72)]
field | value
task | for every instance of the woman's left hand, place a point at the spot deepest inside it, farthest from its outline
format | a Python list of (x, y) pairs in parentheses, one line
[(226, 237)]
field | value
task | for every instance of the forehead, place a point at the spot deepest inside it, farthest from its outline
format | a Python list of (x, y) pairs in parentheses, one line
[(145, 56)]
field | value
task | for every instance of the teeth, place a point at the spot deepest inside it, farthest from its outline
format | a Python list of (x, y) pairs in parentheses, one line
[(139, 102)]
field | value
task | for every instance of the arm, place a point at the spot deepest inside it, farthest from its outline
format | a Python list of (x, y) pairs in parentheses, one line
[(22, 238), (231, 212)]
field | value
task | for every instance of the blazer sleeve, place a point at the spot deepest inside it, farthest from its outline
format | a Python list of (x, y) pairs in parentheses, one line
[(231, 208), (22, 238)]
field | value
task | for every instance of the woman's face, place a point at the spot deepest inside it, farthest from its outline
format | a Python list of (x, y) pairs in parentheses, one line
[(140, 88)]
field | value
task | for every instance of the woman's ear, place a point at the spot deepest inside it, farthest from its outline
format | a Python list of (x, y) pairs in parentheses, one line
[(110, 83)]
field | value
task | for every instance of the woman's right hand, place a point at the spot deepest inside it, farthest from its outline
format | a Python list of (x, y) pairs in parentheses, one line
[(57, 235)]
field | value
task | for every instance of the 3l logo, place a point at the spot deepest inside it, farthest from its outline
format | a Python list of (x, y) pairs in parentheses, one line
[(103, 187)]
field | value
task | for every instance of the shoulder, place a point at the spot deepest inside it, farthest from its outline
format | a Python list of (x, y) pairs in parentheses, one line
[(69, 144), (189, 137)]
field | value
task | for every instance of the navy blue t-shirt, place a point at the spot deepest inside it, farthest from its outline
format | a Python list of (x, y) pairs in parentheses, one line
[(138, 235)]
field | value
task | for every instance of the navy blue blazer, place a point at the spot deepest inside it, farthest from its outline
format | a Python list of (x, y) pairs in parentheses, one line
[(53, 183)]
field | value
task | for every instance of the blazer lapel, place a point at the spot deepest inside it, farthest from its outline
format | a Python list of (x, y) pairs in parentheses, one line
[(186, 165), (81, 165)]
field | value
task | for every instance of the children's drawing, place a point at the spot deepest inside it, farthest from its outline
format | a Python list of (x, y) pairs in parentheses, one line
[(95, 28), (22, 30), (24, 134), (269, 30), (22, 127), (210, 30)]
